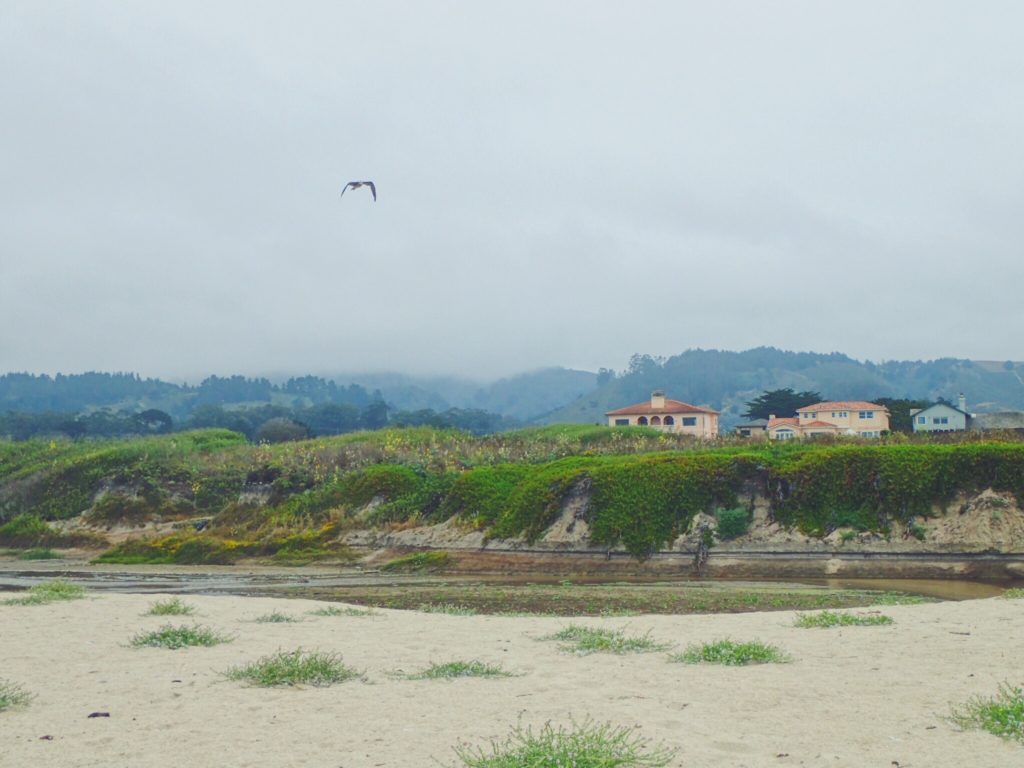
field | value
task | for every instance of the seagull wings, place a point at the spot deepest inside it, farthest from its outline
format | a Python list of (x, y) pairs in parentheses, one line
[(358, 184)]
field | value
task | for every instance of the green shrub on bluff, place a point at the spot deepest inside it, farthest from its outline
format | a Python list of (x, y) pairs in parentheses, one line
[(645, 502), (479, 496), (867, 487)]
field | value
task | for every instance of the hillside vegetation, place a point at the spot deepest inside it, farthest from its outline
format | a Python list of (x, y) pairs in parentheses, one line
[(292, 501)]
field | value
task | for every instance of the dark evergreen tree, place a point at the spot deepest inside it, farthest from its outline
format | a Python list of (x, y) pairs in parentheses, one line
[(780, 402)]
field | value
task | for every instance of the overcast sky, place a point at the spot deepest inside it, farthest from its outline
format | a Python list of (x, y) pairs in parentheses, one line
[(559, 183)]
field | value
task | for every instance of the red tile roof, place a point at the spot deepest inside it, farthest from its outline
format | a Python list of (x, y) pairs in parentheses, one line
[(783, 422), (843, 405), (819, 424), (671, 406)]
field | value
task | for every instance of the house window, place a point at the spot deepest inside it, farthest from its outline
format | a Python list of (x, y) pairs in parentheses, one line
[(655, 421), (922, 420), (642, 421), (784, 434), (622, 422), (669, 421), (866, 414), (689, 421), (940, 420), (843, 414)]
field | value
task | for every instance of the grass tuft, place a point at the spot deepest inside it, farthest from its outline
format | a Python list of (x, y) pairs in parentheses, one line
[(419, 561), (731, 654), (455, 669), (827, 619), (38, 553), (49, 592), (276, 617), (1002, 715), (172, 637), (343, 610), (294, 668), (1016, 593), (583, 640), (13, 695), (585, 745), (173, 606)]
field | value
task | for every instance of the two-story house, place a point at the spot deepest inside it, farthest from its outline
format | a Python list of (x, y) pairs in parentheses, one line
[(851, 417), (845, 417)]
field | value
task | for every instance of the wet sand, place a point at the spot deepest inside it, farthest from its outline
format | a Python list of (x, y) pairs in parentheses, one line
[(858, 696)]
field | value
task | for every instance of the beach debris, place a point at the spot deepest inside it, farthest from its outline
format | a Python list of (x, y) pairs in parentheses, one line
[(358, 184), (99, 714), (47, 737)]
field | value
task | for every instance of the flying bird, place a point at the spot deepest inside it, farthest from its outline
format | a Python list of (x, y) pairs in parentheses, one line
[(357, 185)]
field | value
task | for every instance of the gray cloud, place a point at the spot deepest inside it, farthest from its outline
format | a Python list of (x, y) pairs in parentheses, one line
[(559, 184)]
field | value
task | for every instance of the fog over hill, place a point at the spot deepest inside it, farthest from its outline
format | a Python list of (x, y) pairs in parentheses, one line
[(721, 379)]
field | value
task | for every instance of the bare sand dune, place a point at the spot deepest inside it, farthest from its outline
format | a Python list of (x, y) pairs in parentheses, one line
[(859, 696)]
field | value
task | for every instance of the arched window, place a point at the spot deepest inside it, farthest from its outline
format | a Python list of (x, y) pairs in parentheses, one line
[(669, 421), (655, 421), (642, 421)]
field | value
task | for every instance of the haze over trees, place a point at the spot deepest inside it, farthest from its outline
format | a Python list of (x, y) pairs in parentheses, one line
[(742, 385)]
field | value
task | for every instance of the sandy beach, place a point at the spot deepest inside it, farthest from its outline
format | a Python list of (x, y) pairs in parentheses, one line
[(857, 696)]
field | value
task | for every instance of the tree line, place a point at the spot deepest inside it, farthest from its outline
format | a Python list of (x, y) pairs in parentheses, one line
[(262, 423)]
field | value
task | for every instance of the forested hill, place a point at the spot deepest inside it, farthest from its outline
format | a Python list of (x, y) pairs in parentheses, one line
[(721, 379), (521, 398), (727, 380)]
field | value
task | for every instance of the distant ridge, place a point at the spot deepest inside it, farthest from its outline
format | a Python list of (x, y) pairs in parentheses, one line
[(721, 379)]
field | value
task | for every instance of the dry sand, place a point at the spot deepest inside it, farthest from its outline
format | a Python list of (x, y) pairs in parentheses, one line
[(859, 696)]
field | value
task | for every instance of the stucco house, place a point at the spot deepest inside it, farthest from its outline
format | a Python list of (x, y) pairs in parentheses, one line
[(667, 415), (852, 417), (941, 417), (787, 428), (837, 417)]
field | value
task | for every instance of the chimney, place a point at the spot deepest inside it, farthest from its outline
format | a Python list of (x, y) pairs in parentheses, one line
[(961, 402), (657, 399)]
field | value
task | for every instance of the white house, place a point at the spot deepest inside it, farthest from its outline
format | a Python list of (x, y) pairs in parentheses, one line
[(941, 417)]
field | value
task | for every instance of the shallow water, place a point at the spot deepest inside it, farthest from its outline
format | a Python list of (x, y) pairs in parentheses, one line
[(319, 582)]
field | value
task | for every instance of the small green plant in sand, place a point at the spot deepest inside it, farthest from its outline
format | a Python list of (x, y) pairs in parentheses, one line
[(731, 653), (298, 667), (586, 745), (276, 617), (343, 610), (1003, 714), (1016, 593), (449, 609), (827, 619), (583, 640), (49, 592), (38, 553), (455, 669), (13, 695), (419, 561), (172, 606), (169, 636)]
